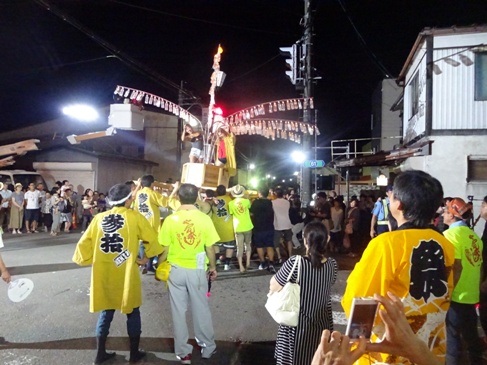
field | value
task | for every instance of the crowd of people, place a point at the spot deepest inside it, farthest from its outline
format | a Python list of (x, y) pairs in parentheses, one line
[(33, 209), (419, 259)]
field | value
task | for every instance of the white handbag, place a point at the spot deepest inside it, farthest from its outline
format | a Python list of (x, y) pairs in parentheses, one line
[(283, 305)]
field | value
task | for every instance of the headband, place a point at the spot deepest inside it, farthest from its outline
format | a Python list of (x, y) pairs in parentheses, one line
[(121, 200)]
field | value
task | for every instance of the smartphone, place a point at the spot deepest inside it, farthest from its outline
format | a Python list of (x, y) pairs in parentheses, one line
[(362, 317)]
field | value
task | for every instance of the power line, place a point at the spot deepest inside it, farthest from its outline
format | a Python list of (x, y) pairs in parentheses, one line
[(385, 72), (197, 19), (253, 69), (115, 52)]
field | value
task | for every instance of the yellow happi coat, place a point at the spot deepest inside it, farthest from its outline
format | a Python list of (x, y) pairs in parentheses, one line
[(416, 265), (147, 203), (111, 245)]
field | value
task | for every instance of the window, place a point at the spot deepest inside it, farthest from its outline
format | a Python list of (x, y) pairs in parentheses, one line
[(414, 94), (481, 76), (477, 169)]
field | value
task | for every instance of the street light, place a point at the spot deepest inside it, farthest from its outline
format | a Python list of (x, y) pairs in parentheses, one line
[(81, 112), (298, 157), (250, 166), (254, 183)]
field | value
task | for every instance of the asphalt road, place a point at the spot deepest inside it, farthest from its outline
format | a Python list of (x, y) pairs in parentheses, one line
[(54, 326)]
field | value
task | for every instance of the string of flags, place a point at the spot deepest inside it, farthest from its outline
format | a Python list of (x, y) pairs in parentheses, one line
[(140, 98), (244, 122), (270, 107), (274, 128), (241, 122)]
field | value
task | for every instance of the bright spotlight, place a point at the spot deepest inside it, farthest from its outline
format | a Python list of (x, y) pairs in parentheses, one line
[(298, 156), (81, 112), (251, 166), (296, 173), (254, 182)]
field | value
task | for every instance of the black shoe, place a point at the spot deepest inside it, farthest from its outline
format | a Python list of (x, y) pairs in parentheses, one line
[(135, 353), (101, 358), (137, 356), (102, 355)]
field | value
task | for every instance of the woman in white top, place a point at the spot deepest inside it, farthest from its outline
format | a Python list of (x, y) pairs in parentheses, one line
[(336, 233)]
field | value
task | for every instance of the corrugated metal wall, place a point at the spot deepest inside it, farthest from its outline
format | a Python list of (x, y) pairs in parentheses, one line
[(454, 105)]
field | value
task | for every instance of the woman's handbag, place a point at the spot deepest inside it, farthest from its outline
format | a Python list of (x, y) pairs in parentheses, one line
[(162, 271), (283, 305)]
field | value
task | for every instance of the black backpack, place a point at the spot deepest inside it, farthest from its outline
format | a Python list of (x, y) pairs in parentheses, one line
[(67, 206)]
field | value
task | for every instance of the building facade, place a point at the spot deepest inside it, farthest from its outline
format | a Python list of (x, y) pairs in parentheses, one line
[(445, 104)]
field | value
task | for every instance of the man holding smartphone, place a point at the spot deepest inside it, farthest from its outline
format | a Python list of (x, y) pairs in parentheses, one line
[(414, 262)]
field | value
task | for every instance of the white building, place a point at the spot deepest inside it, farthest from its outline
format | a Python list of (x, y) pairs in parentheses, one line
[(386, 124), (100, 163), (445, 104), (444, 114)]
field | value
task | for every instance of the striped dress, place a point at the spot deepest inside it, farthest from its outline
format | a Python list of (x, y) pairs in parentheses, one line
[(297, 345)]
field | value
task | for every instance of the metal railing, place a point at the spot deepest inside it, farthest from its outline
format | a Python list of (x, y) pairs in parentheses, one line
[(350, 147)]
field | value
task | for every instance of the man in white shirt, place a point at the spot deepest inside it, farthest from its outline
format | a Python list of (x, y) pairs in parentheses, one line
[(5, 196), (282, 223), (32, 198)]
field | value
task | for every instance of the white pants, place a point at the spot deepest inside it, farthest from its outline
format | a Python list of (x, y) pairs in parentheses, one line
[(296, 229), (190, 285)]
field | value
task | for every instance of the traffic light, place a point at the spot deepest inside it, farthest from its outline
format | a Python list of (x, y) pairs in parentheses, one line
[(292, 62)]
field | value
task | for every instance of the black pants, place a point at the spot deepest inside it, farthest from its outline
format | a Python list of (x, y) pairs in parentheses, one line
[(47, 220), (461, 323)]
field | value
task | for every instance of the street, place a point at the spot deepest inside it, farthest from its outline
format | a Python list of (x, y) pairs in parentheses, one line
[(54, 326)]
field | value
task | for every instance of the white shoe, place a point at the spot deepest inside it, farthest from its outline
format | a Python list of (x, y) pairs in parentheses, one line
[(226, 267), (261, 267)]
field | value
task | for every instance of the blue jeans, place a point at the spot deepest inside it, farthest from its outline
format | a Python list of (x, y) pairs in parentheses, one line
[(461, 322), (106, 317), (150, 264)]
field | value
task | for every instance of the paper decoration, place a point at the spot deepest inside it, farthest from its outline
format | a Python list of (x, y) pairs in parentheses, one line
[(139, 98), (246, 121)]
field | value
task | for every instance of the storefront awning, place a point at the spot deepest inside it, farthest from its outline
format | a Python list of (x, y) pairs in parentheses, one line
[(387, 158)]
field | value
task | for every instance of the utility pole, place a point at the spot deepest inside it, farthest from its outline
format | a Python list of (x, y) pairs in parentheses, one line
[(308, 94), (301, 75), (179, 143)]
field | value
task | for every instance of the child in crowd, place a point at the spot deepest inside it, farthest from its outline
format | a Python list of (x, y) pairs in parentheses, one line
[(46, 210), (101, 203)]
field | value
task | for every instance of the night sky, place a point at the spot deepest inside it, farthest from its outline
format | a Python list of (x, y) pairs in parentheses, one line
[(47, 63)]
